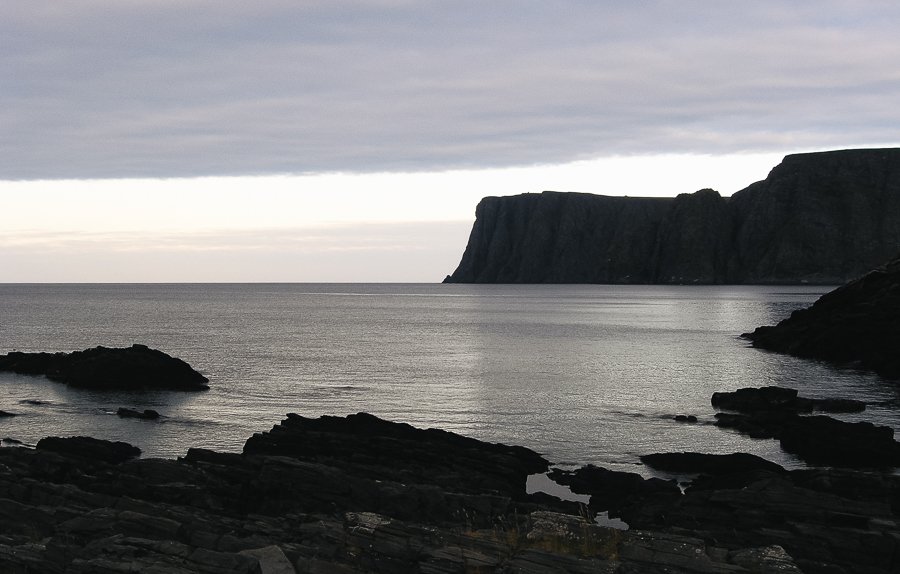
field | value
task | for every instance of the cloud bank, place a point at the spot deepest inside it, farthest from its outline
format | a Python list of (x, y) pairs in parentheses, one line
[(157, 88)]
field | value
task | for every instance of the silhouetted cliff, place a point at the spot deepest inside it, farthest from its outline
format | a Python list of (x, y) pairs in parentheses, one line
[(819, 217)]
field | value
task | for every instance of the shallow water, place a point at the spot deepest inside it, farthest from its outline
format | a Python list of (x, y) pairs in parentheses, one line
[(580, 373)]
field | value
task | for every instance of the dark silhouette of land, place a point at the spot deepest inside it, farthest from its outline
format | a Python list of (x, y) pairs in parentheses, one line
[(822, 218)]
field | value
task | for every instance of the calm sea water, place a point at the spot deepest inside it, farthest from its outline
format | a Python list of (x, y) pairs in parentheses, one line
[(580, 373)]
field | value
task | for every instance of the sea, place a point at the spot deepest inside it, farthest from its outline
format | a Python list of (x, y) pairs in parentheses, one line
[(580, 373)]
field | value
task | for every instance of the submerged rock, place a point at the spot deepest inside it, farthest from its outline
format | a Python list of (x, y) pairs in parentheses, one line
[(133, 368)]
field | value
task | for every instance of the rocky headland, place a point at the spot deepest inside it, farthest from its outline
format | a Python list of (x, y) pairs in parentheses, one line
[(823, 218), (132, 368), (361, 494), (856, 325)]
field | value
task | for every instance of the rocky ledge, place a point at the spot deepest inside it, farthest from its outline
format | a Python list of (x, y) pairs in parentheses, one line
[(133, 368), (360, 494), (857, 325)]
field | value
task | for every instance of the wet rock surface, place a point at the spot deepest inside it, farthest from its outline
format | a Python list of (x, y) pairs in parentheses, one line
[(855, 325), (285, 506), (133, 368)]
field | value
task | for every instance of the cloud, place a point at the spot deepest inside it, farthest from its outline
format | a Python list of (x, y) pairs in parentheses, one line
[(146, 88)]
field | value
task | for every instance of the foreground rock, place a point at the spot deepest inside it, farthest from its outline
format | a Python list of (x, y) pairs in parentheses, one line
[(857, 324), (290, 504), (830, 521), (134, 368), (614, 491), (774, 412), (821, 218)]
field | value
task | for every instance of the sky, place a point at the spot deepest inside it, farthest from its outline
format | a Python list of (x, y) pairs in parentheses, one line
[(163, 140)]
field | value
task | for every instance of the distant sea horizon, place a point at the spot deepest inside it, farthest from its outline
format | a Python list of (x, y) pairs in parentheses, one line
[(581, 373)]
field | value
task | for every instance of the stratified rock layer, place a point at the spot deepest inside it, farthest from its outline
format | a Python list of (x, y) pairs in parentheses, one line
[(857, 324), (133, 368), (402, 500), (820, 218)]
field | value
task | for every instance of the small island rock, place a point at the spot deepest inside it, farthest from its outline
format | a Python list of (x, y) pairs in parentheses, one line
[(133, 368)]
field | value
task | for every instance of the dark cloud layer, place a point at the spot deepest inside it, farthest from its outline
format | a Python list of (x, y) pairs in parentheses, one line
[(166, 88)]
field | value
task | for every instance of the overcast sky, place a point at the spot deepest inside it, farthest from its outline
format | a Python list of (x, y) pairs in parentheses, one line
[(410, 108)]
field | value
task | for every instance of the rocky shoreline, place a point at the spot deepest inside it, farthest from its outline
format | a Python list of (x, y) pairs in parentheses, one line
[(856, 325), (361, 494)]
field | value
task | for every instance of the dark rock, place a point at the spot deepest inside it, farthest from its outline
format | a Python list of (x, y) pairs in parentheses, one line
[(226, 512), (820, 218), (611, 490), (752, 399), (134, 368), (4, 414), (686, 418), (828, 441), (385, 450), (822, 518), (714, 464), (774, 412), (146, 414), (90, 448), (857, 324), (781, 399)]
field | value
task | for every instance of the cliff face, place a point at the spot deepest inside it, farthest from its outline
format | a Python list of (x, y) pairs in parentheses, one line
[(819, 218)]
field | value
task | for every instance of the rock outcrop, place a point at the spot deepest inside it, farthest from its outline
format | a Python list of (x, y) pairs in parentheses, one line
[(820, 218), (133, 368), (290, 504), (775, 412), (856, 325)]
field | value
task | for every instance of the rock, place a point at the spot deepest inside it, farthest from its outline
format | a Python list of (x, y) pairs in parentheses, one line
[(271, 560), (146, 414), (714, 464), (822, 218), (307, 509), (855, 325), (134, 368), (827, 441), (821, 518), (774, 412), (401, 453), (782, 399), (768, 560), (611, 490), (4, 414), (686, 418), (90, 448)]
